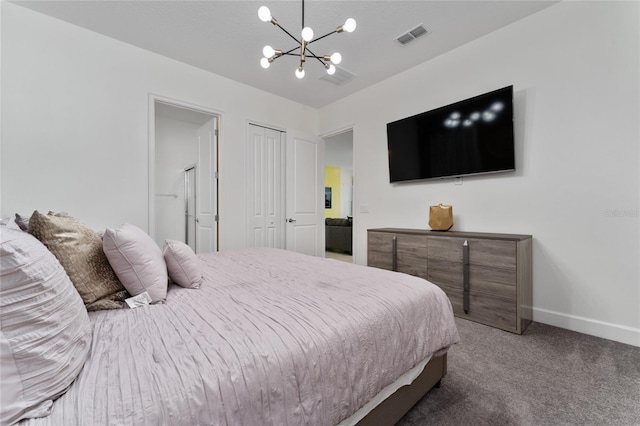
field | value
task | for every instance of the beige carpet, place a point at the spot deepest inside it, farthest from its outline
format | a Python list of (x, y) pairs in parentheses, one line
[(344, 257)]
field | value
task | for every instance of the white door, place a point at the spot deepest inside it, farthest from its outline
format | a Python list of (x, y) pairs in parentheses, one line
[(265, 191), (305, 194), (207, 188)]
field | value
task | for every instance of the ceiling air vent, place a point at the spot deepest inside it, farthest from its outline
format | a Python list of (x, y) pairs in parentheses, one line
[(412, 34), (340, 77)]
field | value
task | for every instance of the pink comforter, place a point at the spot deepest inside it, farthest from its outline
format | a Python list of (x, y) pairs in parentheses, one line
[(271, 338)]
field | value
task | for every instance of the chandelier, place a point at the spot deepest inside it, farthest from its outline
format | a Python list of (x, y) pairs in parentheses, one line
[(302, 50)]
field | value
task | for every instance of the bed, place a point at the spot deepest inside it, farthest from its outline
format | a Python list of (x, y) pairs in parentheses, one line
[(271, 337)]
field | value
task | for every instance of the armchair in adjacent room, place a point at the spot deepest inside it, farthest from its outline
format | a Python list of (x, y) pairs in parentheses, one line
[(338, 234)]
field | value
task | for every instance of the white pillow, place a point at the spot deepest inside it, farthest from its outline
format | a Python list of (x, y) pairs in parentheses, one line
[(45, 337), (182, 263), (137, 261)]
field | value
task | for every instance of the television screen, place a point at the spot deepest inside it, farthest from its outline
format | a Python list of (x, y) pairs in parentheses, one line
[(473, 136)]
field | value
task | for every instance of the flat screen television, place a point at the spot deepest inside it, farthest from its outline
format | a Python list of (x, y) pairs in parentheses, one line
[(469, 137)]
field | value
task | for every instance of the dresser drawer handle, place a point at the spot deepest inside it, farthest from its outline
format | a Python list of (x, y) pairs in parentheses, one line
[(465, 275)]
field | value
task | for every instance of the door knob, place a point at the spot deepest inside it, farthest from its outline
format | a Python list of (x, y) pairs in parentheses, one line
[(291, 220)]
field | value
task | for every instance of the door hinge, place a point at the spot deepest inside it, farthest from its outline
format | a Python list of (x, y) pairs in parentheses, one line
[(216, 175), (216, 218), (215, 132)]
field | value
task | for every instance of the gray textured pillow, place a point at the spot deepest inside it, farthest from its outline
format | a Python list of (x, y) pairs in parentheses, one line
[(22, 222), (79, 250), (45, 333)]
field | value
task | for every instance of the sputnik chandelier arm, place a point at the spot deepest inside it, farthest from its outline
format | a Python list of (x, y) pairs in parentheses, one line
[(302, 49)]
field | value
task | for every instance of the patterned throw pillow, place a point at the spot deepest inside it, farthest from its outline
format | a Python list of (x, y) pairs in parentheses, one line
[(23, 222), (79, 250)]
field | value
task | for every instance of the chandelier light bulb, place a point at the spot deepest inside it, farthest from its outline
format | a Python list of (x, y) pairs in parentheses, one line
[(268, 51), (264, 14), (307, 34), (349, 25)]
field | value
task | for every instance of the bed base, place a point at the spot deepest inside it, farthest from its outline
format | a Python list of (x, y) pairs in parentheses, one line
[(391, 410)]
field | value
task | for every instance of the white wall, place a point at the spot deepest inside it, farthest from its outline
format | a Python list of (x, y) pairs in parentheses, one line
[(75, 123), (176, 149), (574, 67)]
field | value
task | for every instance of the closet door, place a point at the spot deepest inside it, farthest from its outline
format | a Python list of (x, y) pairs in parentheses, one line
[(265, 183)]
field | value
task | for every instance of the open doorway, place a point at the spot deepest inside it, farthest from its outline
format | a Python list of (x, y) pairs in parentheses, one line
[(185, 198), (339, 196)]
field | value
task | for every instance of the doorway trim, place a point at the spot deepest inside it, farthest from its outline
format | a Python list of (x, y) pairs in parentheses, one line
[(338, 131), (151, 160)]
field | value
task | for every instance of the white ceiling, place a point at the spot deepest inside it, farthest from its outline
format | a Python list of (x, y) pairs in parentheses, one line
[(226, 37)]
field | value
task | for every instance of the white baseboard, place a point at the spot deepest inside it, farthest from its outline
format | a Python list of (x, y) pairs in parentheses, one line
[(606, 330)]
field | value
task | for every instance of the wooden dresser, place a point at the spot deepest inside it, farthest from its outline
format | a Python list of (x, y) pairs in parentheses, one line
[(488, 277)]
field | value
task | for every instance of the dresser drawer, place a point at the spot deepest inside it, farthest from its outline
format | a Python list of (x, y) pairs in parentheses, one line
[(412, 245), (482, 279), (411, 255), (493, 310), (493, 253), (446, 273), (496, 281), (380, 250), (445, 249), (490, 310), (380, 241)]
